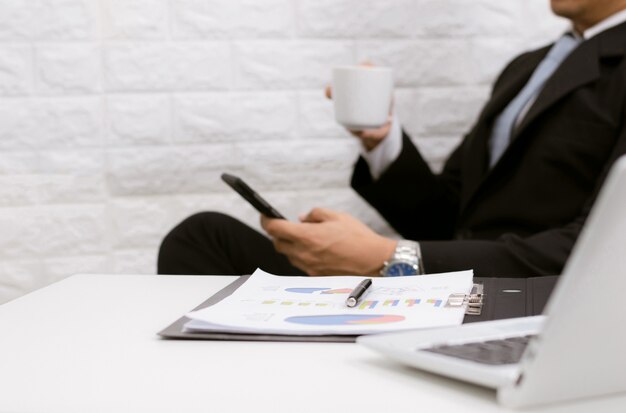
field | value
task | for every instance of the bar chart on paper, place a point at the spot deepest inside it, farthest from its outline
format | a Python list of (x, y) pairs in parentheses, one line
[(364, 305), (269, 304)]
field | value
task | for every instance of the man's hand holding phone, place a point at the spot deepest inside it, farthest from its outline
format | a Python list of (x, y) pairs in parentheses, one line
[(324, 242), (327, 242)]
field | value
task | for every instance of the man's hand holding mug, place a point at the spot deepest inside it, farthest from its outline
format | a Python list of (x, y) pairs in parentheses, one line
[(362, 97)]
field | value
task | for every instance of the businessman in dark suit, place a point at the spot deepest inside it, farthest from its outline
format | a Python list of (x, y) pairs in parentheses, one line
[(510, 201)]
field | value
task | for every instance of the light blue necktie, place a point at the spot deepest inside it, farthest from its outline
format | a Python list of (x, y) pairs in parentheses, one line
[(505, 123)]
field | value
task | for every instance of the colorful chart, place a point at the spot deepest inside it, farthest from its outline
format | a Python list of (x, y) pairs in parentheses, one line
[(367, 305), (345, 319), (338, 291), (320, 290), (437, 303), (363, 305)]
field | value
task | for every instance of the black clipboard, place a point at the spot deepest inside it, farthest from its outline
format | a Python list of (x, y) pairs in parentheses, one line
[(175, 330), (503, 298), (513, 297)]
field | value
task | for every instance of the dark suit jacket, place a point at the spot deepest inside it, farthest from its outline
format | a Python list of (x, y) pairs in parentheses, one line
[(522, 217)]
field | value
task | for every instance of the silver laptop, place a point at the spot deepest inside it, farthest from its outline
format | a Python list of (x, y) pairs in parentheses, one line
[(576, 349)]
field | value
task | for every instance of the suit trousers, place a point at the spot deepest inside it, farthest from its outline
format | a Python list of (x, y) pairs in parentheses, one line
[(211, 243)]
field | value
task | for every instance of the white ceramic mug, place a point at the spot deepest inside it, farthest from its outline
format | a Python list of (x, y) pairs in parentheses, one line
[(362, 96)]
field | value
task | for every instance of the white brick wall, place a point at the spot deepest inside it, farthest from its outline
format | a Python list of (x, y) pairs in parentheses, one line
[(117, 116)]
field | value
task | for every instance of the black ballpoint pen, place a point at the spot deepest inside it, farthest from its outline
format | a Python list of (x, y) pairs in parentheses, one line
[(358, 291)]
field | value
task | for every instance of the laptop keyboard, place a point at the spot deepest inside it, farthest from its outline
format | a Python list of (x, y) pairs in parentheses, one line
[(493, 352)]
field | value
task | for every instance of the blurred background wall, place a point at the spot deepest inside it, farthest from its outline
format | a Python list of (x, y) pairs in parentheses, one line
[(118, 116)]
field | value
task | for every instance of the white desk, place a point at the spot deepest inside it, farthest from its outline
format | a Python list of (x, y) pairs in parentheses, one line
[(89, 344)]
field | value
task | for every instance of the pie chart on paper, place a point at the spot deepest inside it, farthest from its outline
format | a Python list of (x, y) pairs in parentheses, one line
[(344, 319)]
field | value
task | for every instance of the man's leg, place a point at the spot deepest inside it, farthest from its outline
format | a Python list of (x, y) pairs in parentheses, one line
[(210, 243)]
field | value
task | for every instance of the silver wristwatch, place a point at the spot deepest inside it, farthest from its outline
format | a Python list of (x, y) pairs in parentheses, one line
[(406, 260)]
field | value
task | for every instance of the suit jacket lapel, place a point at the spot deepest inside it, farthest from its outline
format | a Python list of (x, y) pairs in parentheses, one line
[(511, 86), (580, 68), (476, 162)]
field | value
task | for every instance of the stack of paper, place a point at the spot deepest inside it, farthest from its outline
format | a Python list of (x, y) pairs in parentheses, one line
[(269, 304)]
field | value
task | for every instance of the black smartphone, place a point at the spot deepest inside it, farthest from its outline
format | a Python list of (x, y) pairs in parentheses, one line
[(251, 196)]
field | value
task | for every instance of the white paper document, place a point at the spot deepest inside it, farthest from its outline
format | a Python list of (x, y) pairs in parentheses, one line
[(270, 304)]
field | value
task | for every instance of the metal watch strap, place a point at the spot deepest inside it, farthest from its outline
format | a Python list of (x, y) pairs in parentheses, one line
[(407, 251)]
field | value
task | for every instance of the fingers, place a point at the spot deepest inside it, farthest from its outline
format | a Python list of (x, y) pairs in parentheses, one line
[(377, 133), (284, 241), (281, 228), (285, 247), (298, 257), (370, 138), (319, 215), (371, 134)]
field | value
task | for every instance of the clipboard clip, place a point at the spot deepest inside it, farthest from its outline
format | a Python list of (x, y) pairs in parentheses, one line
[(473, 302)]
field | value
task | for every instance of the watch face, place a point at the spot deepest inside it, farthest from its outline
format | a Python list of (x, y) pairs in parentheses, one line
[(399, 269)]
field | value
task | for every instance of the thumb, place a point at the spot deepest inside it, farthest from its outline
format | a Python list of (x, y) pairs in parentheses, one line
[(319, 215)]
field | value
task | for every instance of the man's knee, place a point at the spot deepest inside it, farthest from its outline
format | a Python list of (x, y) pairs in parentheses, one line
[(198, 226), (202, 221), (195, 233)]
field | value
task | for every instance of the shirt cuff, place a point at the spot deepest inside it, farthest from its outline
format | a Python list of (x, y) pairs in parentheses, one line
[(383, 155)]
